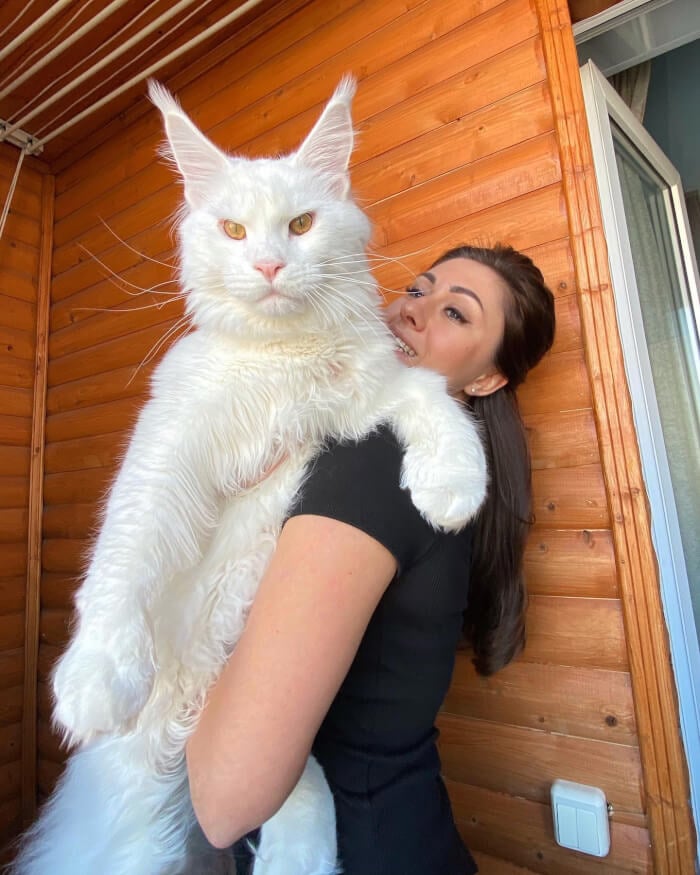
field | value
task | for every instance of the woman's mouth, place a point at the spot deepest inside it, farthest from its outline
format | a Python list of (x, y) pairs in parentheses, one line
[(404, 347)]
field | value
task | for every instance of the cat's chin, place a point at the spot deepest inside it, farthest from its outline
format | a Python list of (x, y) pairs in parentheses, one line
[(275, 303)]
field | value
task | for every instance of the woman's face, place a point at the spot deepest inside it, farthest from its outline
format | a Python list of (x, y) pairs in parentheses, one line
[(451, 320)]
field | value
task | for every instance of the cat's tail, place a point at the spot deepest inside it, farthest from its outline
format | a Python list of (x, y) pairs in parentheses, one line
[(110, 815)]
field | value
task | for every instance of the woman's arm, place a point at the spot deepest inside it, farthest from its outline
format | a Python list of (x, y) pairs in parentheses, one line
[(255, 733)]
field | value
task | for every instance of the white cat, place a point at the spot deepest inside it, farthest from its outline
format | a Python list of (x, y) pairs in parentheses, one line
[(288, 349)]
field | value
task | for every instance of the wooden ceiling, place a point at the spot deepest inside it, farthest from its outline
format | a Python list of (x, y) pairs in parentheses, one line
[(111, 43)]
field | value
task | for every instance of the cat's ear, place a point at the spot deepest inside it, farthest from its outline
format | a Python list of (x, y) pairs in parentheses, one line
[(328, 146), (200, 163)]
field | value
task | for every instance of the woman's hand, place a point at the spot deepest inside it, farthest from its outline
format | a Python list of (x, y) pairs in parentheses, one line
[(312, 608)]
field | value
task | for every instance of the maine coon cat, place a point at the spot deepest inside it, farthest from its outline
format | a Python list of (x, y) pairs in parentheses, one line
[(288, 349)]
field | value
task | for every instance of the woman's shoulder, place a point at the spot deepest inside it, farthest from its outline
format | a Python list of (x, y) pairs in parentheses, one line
[(359, 482)]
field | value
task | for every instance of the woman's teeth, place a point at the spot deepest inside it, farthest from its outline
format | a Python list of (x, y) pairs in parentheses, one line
[(404, 347)]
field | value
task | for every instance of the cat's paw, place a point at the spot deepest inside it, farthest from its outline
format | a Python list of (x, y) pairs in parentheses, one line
[(99, 689), (447, 477)]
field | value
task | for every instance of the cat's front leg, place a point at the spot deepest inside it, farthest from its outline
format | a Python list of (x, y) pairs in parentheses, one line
[(158, 516), (444, 465)]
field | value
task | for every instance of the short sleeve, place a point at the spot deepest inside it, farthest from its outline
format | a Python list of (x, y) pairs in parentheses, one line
[(359, 484)]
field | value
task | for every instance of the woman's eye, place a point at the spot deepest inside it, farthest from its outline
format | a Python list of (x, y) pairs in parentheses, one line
[(414, 292), (234, 230), (454, 314), (301, 224)]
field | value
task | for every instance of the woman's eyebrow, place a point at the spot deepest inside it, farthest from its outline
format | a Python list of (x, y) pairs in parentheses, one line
[(460, 290)]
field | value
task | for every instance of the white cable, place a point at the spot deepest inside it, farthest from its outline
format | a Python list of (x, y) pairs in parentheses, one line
[(81, 61), (23, 11), (11, 191), (21, 123), (205, 34), (61, 47), (50, 13), (47, 125)]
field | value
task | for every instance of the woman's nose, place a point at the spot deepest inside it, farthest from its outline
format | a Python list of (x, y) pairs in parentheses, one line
[(413, 311)]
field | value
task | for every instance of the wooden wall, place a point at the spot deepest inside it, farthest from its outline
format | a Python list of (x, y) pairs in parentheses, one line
[(457, 144), (20, 255)]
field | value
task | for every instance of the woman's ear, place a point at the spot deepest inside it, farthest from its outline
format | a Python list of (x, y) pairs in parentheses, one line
[(487, 384)]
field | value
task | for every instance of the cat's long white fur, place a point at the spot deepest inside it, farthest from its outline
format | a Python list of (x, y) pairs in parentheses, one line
[(189, 526)]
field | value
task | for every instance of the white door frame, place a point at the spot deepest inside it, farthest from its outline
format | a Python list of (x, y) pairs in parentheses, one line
[(603, 104)]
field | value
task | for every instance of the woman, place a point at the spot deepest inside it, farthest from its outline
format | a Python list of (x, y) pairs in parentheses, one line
[(349, 647)]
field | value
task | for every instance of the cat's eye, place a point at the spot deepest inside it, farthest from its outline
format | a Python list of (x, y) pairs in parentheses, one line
[(301, 224), (234, 230)]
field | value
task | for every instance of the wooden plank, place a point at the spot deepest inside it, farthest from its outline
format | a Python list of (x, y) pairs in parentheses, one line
[(18, 313), (10, 780), (576, 631), (100, 419), (559, 383), (70, 520), (583, 702), (570, 498), (49, 743), (84, 453), (665, 774), (571, 563), (10, 820), (14, 561), (48, 774), (11, 594), (64, 555), (17, 343), (12, 630), (11, 707), (13, 524), (36, 504), (498, 824), (99, 389), (14, 491), (520, 761), (10, 742), (489, 865), (132, 350), (15, 430), (568, 325), (17, 285), (54, 626), (469, 138), (562, 440), (89, 485), (11, 668), (19, 257), (468, 190), (16, 372), (527, 221), (109, 305), (57, 590), (15, 401), (14, 461), (48, 654)]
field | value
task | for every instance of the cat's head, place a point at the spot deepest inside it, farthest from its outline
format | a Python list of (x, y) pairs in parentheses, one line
[(270, 246)]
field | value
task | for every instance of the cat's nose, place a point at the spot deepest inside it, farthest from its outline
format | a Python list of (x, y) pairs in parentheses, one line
[(269, 269)]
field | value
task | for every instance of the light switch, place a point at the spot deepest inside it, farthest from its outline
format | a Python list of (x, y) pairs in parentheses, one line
[(581, 818)]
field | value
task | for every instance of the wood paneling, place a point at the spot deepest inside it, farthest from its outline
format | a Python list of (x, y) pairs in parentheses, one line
[(461, 139), (20, 268), (670, 824)]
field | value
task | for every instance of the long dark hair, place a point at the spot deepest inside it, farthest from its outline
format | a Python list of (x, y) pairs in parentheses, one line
[(494, 622)]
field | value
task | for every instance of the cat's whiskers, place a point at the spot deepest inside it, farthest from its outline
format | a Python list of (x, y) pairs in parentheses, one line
[(183, 321), (169, 264), (120, 282)]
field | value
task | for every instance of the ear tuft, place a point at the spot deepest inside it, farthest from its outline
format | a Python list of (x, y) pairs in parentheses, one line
[(328, 146), (199, 162)]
